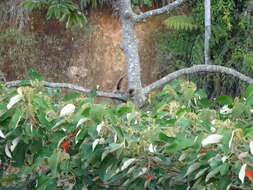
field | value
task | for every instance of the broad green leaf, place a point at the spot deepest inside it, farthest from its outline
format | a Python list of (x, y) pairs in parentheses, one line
[(40, 102), (238, 110), (45, 183), (248, 91), (249, 100), (16, 119), (97, 113), (71, 96), (213, 173), (165, 138), (224, 100), (54, 162), (33, 75), (224, 169), (180, 143)]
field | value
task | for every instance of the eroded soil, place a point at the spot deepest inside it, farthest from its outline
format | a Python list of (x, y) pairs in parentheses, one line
[(91, 58)]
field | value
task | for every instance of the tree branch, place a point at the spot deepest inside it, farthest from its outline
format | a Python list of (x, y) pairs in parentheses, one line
[(195, 69), (155, 12), (233, 187), (119, 96)]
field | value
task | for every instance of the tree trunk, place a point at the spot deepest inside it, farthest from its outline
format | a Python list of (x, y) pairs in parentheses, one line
[(207, 30), (130, 49)]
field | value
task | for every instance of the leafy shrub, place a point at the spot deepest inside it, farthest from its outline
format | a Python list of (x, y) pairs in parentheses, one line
[(179, 139)]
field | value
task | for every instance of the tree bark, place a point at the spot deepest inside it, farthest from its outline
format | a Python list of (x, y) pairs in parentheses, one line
[(129, 45), (207, 31), (130, 49)]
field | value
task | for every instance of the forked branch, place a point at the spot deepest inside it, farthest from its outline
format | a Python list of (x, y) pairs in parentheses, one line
[(125, 96), (159, 11)]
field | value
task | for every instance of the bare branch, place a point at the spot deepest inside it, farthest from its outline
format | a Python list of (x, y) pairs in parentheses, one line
[(233, 187), (159, 11), (119, 96), (195, 69)]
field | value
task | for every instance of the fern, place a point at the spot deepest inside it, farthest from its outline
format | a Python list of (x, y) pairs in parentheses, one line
[(248, 59), (197, 53), (181, 22)]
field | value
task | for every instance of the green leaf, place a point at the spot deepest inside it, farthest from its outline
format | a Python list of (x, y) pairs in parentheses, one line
[(19, 154), (97, 113), (248, 91), (33, 75), (42, 119), (213, 173), (225, 100), (16, 119), (238, 110), (249, 100), (71, 96), (180, 143), (224, 169), (45, 183), (114, 146), (53, 162), (40, 102), (165, 138)]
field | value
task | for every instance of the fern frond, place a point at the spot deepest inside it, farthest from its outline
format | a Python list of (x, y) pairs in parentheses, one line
[(248, 59), (181, 22)]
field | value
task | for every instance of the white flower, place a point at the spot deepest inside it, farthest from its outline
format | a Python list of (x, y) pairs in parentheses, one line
[(231, 139), (99, 127), (67, 110), (242, 173), (225, 110), (2, 134), (20, 91), (13, 101), (143, 171), (96, 142), (81, 121), (152, 148), (211, 139), (115, 138), (14, 143), (192, 168), (127, 163), (224, 158), (213, 129), (128, 116), (251, 147), (213, 122), (182, 157), (243, 155), (7, 151)]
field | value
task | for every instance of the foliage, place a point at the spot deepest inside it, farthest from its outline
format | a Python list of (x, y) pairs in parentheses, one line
[(64, 11), (72, 12), (231, 43), (181, 22), (69, 142)]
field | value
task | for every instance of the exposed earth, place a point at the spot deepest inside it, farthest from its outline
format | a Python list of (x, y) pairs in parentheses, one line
[(87, 59)]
